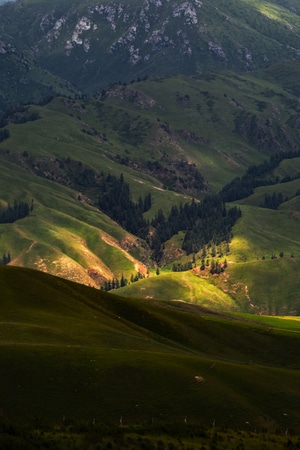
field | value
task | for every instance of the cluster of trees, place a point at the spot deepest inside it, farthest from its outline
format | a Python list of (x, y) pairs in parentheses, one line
[(215, 267), (19, 114), (273, 256), (273, 201), (213, 224), (205, 222), (4, 134), (115, 201), (116, 283), (182, 267), (110, 194), (5, 259), (25, 116), (19, 210), (242, 187)]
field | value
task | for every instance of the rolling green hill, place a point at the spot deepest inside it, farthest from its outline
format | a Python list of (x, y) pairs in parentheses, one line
[(139, 130), (68, 350)]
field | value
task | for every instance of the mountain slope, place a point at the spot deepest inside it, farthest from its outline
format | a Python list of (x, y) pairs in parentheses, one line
[(24, 81), (93, 44), (93, 355), (64, 236), (171, 139), (163, 135)]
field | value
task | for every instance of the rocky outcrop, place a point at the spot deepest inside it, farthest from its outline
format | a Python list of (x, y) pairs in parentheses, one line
[(265, 134), (138, 98)]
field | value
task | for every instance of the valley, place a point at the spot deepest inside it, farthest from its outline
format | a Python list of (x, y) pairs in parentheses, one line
[(149, 224), (60, 154)]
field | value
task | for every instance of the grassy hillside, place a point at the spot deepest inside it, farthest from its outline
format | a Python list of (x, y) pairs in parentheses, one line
[(153, 132), (68, 350), (262, 272), (63, 236), (184, 286), (222, 123)]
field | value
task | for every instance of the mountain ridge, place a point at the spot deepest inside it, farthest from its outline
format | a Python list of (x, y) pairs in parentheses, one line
[(95, 44)]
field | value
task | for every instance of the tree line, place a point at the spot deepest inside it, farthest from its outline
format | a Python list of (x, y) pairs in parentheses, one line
[(115, 201), (204, 222), (215, 266), (273, 201), (116, 283), (255, 176), (4, 134), (182, 267), (19, 114), (19, 210), (107, 192)]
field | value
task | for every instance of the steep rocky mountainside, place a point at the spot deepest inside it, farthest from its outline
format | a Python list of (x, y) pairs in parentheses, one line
[(92, 44)]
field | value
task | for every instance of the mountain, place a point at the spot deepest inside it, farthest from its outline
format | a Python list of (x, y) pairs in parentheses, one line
[(149, 149), (119, 121), (94, 44)]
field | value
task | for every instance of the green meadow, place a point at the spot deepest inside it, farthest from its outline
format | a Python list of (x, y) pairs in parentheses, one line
[(70, 352)]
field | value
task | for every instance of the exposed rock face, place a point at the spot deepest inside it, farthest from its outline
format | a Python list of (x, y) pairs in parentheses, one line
[(138, 98), (139, 31), (193, 137), (260, 133), (3, 48), (94, 43)]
